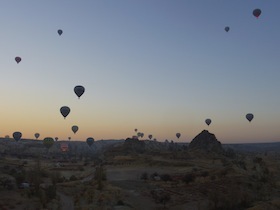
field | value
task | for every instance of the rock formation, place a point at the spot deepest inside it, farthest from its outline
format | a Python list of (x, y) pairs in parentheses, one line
[(207, 142)]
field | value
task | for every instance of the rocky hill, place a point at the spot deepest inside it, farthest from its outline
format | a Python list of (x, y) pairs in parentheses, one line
[(206, 142)]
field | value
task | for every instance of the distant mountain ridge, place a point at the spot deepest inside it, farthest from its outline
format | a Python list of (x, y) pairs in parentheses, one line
[(255, 147)]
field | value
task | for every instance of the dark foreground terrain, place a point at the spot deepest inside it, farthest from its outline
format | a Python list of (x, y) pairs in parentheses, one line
[(135, 175)]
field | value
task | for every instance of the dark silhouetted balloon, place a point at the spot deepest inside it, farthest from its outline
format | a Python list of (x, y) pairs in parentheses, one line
[(59, 31), (135, 129), (56, 138), (178, 135), (79, 90), (227, 29), (17, 135), (65, 110), (249, 117), (18, 59), (208, 121), (36, 135), (90, 141), (69, 138), (150, 136), (48, 142), (75, 128), (257, 12)]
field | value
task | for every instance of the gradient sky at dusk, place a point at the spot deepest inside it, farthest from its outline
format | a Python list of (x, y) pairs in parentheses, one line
[(160, 66)]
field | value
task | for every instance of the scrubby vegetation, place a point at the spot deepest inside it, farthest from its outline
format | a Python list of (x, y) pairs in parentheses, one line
[(170, 177)]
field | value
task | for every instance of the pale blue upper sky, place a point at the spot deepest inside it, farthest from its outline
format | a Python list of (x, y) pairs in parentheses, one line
[(160, 66)]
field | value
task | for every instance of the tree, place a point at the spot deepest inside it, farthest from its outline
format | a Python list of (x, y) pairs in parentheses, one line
[(166, 177), (35, 176), (100, 175), (164, 198), (144, 176), (189, 178)]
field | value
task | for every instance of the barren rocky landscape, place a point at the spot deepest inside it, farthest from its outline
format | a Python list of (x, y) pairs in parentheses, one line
[(139, 174)]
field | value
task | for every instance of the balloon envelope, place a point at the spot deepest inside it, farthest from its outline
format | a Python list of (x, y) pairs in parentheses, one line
[(65, 110), (18, 59), (249, 117), (90, 141), (64, 147), (59, 31), (208, 121), (17, 135), (75, 128), (48, 142), (178, 135), (150, 136), (79, 90), (257, 12), (56, 138), (227, 29), (36, 135)]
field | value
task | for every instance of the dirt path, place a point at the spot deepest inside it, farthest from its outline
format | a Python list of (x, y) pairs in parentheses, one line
[(66, 201)]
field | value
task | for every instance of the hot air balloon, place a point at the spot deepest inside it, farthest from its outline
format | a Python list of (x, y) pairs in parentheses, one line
[(69, 138), (18, 59), (226, 28), (135, 129), (257, 12), (75, 128), (48, 142), (90, 141), (150, 136), (178, 135), (79, 90), (64, 147), (59, 31), (36, 135), (139, 134), (142, 135), (249, 117), (65, 110), (56, 138), (208, 121), (17, 135)]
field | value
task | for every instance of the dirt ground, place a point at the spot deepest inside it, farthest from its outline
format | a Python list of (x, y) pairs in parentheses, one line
[(119, 173), (137, 191)]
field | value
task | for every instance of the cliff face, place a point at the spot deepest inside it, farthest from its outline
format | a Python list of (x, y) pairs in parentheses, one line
[(207, 142)]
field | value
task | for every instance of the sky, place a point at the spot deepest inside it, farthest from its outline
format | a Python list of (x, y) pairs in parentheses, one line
[(160, 66)]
